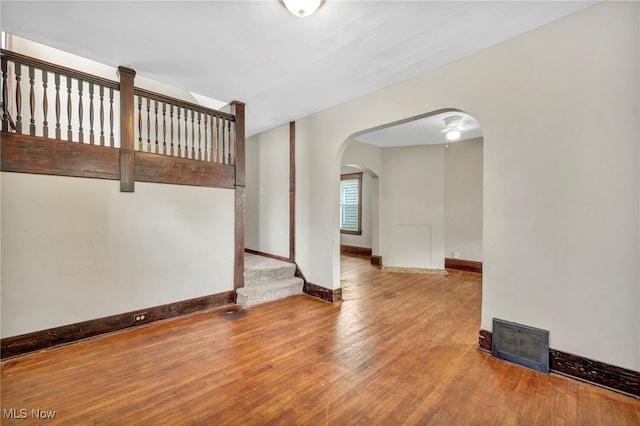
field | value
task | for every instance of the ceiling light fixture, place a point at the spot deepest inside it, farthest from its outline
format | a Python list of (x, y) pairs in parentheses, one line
[(453, 127), (302, 8)]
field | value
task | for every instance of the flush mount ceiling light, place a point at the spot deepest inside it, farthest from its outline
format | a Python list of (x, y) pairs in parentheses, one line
[(453, 127), (302, 8)]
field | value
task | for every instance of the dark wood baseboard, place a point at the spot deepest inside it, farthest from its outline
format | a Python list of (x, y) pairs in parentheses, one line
[(358, 251), (272, 256), (485, 341), (376, 260), (332, 296), (463, 265), (38, 340), (598, 373)]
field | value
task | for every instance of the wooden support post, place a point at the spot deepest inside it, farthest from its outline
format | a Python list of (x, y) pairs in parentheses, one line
[(292, 191), (237, 109), (127, 129)]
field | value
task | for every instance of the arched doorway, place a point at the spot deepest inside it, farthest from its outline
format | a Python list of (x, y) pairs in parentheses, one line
[(428, 191)]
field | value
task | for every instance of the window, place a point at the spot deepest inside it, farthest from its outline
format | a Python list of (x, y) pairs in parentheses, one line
[(351, 203)]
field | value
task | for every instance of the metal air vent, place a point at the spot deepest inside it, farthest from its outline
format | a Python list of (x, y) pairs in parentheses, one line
[(521, 344)]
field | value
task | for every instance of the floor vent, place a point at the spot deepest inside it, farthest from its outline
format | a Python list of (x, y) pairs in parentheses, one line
[(521, 344)]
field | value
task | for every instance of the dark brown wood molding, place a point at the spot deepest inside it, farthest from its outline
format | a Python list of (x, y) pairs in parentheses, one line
[(358, 251), (127, 129), (332, 296), (272, 256), (292, 191), (485, 341), (238, 110), (37, 155), (376, 260), (158, 168), (38, 340), (599, 373), (616, 378), (463, 265)]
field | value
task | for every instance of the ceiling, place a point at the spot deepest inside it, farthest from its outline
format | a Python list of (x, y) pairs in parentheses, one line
[(284, 68), (426, 131)]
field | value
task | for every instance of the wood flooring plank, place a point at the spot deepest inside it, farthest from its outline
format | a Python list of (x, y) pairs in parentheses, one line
[(399, 349)]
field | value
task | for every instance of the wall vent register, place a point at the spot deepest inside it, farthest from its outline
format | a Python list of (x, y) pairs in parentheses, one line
[(521, 344)]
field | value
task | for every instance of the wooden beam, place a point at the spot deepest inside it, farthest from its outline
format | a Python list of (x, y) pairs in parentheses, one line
[(33, 154), (127, 129), (237, 109), (292, 191), (182, 171)]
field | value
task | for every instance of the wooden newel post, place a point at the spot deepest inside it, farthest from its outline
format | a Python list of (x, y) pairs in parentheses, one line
[(237, 109), (127, 109)]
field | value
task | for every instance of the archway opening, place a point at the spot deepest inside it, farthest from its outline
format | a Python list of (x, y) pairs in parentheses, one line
[(423, 208)]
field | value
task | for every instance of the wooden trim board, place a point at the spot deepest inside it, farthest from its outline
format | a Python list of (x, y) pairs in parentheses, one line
[(37, 155), (332, 296), (25, 343), (463, 265), (358, 251)]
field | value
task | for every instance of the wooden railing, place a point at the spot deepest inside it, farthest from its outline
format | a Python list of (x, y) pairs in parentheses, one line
[(47, 87), (60, 121), (177, 128)]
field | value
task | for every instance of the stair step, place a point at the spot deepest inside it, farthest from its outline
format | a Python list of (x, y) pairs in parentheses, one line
[(269, 291), (260, 269)]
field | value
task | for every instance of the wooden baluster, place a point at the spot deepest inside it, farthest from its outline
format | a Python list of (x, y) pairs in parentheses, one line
[(179, 133), (206, 141), (5, 95), (171, 121), (148, 125), (139, 123), (193, 135), (111, 139), (186, 133), (156, 115), (32, 102), (45, 104), (80, 111), (199, 137), (164, 128), (212, 152), (224, 142), (69, 109), (101, 115), (91, 115), (18, 71), (58, 129), (217, 160), (229, 141)]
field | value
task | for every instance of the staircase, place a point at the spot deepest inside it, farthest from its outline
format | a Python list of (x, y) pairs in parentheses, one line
[(267, 279)]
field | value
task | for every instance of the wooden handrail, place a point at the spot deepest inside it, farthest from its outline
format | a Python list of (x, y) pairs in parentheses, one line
[(184, 104), (48, 66)]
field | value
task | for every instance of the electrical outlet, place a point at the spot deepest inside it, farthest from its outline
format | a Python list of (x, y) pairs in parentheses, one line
[(139, 317), (455, 255)]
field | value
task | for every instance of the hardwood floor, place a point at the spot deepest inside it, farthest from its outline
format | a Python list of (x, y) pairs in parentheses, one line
[(400, 349)]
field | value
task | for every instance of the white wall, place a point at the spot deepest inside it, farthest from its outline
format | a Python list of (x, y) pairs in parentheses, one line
[(463, 199), (267, 192), (559, 111), (412, 206), (75, 249), (252, 199)]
